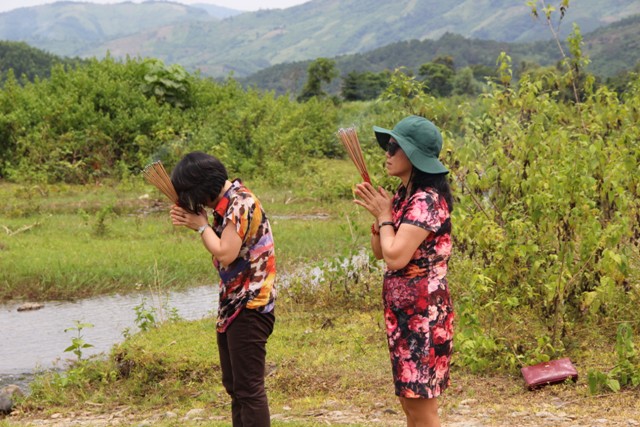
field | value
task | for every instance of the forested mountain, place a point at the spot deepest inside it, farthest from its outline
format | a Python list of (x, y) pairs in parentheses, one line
[(249, 42), (612, 49), (615, 47), (28, 61), (74, 28)]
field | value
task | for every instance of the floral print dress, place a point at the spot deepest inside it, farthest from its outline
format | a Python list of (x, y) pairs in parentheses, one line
[(417, 306)]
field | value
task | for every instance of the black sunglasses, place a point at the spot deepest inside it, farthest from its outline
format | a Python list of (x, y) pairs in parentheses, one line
[(392, 148)]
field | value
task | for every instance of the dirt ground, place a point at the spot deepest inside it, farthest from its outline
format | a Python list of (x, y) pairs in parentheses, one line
[(470, 402)]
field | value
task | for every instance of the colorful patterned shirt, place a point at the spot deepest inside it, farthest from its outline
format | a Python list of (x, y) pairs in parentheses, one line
[(249, 280)]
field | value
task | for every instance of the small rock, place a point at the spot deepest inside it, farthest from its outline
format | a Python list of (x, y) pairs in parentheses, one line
[(544, 414), (278, 417), (194, 413), (468, 402), (469, 423), (7, 397), (633, 423), (390, 411), (601, 421), (170, 415), (29, 306)]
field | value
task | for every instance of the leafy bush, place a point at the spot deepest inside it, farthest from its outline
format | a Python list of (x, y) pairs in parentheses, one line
[(107, 119)]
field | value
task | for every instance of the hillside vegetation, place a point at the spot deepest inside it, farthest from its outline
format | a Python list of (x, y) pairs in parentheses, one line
[(29, 62), (548, 214), (249, 42), (613, 49)]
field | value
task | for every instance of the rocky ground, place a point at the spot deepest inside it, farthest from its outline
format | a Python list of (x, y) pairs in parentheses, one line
[(472, 402)]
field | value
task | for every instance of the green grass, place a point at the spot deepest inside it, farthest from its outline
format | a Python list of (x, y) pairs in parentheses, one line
[(80, 241)]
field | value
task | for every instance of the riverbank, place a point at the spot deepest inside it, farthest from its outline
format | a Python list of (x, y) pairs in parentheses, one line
[(326, 367)]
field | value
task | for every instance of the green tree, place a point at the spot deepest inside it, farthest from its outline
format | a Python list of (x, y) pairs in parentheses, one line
[(438, 77), (364, 86), (319, 71), (464, 83)]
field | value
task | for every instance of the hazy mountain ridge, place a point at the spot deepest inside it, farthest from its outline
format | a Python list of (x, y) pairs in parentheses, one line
[(217, 11), (251, 41), (73, 28), (611, 49)]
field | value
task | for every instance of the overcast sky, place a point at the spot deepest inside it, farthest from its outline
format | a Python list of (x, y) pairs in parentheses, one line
[(6, 5)]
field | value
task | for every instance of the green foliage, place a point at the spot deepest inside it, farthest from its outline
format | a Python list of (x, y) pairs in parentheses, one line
[(626, 372), (108, 120), (78, 343), (438, 76), (100, 228), (548, 209), (145, 316), (319, 71), (464, 83), (364, 86), (168, 84), (28, 62)]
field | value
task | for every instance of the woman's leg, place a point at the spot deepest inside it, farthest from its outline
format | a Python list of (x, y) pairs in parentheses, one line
[(227, 378), (245, 341), (410, 422), (421, 412)]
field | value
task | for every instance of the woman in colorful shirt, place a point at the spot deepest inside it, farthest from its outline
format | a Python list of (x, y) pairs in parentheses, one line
[(241, 244), (412, 233)]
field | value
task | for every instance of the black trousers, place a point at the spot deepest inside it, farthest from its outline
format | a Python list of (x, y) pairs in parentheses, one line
[(243, 351)]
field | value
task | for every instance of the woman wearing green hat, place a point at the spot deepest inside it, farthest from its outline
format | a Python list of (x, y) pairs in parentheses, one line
[(412, 233)]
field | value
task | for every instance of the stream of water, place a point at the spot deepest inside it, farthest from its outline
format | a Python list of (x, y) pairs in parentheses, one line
[(36, 340)]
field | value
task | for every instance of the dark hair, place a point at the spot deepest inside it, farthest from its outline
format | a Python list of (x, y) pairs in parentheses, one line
[(198, 179), (420, 180)]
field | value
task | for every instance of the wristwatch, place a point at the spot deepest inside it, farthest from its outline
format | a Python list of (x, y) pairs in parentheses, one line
[(202, 228)]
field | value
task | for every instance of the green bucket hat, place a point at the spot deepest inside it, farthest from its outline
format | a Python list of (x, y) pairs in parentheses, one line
[(420, 140)]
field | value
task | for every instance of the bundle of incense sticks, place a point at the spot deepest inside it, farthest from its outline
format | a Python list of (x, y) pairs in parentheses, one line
[(156, 175), (349, 138)]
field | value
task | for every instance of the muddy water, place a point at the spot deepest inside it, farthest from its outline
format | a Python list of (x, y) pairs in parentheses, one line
[(34, 340)]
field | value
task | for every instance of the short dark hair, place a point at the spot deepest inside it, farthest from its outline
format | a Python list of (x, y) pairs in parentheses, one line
[(198, 179), (421, 180)]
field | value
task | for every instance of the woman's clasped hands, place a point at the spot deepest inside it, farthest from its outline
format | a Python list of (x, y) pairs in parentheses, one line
[(180, 216), (376, 201)]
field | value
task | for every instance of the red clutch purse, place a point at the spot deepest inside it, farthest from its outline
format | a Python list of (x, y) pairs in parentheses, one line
[(551, 372)]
